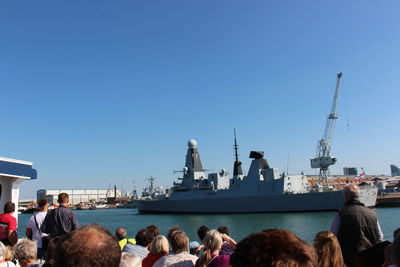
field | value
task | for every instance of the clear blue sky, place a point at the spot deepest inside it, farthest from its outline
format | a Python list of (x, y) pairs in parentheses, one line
[(100, 92)]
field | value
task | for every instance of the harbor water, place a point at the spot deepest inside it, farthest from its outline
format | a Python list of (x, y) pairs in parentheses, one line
[(304, 224)]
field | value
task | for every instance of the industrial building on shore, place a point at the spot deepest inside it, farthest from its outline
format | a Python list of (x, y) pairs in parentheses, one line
[(77, 196), (350, 171), (395, 171)]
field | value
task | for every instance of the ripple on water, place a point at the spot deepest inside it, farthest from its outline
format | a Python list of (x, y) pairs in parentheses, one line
[(304, 224)]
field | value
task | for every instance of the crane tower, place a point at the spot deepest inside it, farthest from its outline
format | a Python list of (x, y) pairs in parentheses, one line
[(323, 159)]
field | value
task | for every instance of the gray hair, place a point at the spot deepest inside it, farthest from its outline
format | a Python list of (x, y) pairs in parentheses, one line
[(25, 250), (130, 260), (3, 251), (351, 191)]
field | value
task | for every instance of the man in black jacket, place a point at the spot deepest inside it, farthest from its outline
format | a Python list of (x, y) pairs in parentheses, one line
[(356, 226), (61, 220)]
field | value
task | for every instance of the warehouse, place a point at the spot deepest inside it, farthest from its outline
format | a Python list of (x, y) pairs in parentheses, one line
[(77, 195)]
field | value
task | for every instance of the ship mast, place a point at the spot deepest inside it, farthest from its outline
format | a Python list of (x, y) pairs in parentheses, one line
[(235, 146), (237, 165), (151, 180)]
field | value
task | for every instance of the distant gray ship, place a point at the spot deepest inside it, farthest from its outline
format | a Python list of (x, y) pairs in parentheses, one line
[(264, 189)]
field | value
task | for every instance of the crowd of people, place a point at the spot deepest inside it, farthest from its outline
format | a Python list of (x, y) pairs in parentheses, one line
[(55, 238)]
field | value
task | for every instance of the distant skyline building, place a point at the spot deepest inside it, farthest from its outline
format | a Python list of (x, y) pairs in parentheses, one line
[(77, 195), (350, 171), (395, 171)]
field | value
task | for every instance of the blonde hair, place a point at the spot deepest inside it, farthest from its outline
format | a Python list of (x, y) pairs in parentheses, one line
[(328, 250), (213, 243), (9, 256), (159, 245)]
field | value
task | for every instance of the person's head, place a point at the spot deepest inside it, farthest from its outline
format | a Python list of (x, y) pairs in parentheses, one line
[(328, 249), (9, 207), (171, 230), (121, 233), (51, 249), (26, 252), (9, 253), (193, 247), (130, 260), (159, 245), (213, 240), (153, 229), (63, 199), (223, 229), (396, 233), (351, 192), (273, 248), (179, 241), (396, 251), (201, 232), (213, 244), (91, 245), (3, 252), (42, 204), (388, 255), (144, 238)]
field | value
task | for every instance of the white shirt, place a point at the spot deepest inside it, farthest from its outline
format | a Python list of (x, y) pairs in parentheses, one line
[(182, 259), (32, 225), (7, 264)]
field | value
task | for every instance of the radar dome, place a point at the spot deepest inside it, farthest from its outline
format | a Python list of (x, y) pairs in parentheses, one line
[(192, 143)]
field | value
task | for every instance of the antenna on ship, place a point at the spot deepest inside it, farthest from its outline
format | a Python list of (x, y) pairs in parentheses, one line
[(151, 180), (237, 165), (287, 163)]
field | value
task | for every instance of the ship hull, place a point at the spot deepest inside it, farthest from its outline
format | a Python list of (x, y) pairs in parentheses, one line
[(226, 201)]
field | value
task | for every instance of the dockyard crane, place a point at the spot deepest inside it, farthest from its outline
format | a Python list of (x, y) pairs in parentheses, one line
[(323, 159)]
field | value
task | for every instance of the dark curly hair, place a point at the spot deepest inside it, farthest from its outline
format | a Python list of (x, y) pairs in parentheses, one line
[(144, 237), (202, 231), (223, 229)]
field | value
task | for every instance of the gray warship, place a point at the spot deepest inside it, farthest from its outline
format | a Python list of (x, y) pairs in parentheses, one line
[(262, 190)]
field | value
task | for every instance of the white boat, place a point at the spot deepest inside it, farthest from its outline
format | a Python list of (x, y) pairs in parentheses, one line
[(101, 206)]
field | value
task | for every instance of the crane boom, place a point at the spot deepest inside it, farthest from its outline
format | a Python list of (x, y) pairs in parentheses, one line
[(323, 159), (330, 122)]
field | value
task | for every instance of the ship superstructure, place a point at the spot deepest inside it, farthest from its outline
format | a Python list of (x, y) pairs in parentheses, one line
[(194, 177), (263, 189), (151, 191)]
